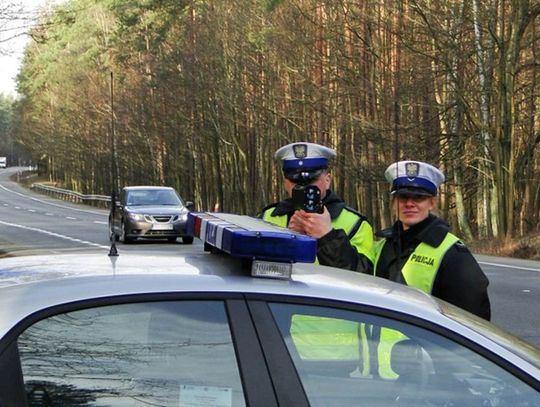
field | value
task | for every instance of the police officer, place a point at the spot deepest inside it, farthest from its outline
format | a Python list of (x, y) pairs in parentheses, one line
[(344, 236), (419, 250), (344, 240)]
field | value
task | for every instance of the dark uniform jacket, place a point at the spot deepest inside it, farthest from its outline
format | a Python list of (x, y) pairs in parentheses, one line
[(334, 248), (459, 280)]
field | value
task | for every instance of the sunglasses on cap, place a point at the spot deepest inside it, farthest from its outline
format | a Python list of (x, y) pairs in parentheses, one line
[(303, 176)]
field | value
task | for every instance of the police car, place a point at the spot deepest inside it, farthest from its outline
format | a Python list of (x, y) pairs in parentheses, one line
[(250, 321)]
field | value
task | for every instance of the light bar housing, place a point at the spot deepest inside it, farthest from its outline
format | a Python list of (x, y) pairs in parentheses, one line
[(252, 238)]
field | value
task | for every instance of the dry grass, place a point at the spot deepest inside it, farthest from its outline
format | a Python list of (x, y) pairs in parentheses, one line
[(527, 247)]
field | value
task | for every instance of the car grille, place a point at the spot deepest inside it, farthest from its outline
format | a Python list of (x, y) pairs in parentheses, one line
[(159, 218)]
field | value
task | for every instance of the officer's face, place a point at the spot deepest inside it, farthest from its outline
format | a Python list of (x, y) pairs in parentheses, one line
[(413, 209), (322, 182)]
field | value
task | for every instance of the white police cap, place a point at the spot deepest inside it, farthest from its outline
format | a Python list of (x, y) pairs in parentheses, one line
[(414, 177), (303, 155)]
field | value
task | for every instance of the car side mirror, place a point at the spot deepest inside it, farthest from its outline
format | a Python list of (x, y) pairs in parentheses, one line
[(190, 205)]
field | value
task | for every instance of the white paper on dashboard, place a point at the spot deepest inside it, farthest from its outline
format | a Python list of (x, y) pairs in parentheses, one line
[(205, 396)]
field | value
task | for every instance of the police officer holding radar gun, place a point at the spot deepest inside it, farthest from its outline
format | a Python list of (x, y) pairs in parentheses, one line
[(344, 237), (419, 250)]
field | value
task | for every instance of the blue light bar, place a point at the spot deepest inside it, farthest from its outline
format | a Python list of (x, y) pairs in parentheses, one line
[(253, 238)]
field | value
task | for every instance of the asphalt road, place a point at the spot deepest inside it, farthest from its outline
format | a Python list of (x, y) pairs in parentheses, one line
[(31, 223), (514, 292)]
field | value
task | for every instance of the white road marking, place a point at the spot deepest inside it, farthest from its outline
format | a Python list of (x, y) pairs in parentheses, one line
[(50, 203), (46, 232), (71, 218), (100, 222), (508, 266)]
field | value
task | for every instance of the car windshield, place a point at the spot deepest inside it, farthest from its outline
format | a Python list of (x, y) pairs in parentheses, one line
[(153, 197)]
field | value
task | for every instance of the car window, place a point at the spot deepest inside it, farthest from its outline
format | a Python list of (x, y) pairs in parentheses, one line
[(145, 354), (339, 363), (519, 346), (168, 197), (153, 197)]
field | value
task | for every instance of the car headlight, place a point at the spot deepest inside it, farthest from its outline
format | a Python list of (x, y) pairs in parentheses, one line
[(182, 216), (136, 217)]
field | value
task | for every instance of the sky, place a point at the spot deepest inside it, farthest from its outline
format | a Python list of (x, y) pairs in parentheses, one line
[(10, 64)]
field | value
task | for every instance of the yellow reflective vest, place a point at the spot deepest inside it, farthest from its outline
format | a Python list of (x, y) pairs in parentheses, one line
[(419, 271)]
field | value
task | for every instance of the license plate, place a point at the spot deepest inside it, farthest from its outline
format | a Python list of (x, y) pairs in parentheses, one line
[(166, 226)]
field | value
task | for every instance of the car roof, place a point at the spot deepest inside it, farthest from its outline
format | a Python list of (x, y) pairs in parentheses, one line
[(136, 187), (29, 284)]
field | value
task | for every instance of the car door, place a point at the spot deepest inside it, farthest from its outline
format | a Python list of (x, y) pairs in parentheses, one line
[(220, 350), (166, 350)]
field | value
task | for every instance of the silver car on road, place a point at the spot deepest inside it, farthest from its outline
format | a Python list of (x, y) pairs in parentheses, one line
[(150, 212)]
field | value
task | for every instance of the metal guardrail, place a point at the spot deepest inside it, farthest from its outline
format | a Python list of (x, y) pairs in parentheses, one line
[(72, 196)]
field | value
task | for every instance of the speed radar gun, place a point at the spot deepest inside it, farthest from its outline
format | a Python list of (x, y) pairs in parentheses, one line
[(308, 198)]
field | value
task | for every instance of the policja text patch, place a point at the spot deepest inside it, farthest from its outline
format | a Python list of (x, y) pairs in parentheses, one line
[(429, 261)]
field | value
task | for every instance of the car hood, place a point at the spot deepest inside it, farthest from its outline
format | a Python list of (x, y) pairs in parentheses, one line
[(156, 210)]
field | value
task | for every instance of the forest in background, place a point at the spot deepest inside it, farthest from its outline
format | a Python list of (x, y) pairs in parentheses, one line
[(200, 93)]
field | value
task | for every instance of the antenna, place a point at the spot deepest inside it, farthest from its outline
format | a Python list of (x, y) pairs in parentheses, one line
[(114, 174)]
